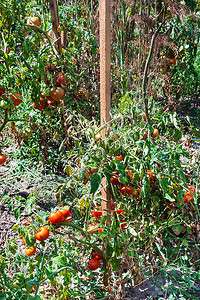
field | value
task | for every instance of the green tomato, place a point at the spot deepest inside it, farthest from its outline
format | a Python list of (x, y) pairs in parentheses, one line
[(4, 104), (47, 92)]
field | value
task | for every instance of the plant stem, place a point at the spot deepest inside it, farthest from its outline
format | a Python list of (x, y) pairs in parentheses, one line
[(145, 77), (5, 120)]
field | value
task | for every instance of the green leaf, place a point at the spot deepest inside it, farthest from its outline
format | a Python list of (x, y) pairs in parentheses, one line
[(136, 177), (60, 260), (159, 249), (5, 198), (28, 205), (30, 239), (196, 132), (120, 167), (13, 247), (95, 182), (68, 170), (168, 197), (41, 68), (177, 135), (17, 213), (182, 175)]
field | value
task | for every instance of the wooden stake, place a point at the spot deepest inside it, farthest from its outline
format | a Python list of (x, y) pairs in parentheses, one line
[(104, 15), (105, 102), (53, 7)]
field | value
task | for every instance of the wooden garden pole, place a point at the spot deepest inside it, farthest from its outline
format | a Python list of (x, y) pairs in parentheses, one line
[(53, 7), (105, 103)]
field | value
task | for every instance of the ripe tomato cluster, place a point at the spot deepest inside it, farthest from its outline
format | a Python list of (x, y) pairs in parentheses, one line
[(7, 99), (97, 214), (60, 215), (189, 196), (29, 240), (124, 190), (94, 263), (42, 233), (51, 97), (155, 133)]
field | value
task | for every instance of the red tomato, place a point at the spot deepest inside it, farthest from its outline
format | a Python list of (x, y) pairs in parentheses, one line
[(93, 264), (119, 157), (120, 211), (131, 176), (62, 80), (114, 179), (97, 212), (173, 61), (96, 255), (57, 94), (123, 224), (112, 205), (65, 211), (2, 158), (16, 100), (26, 222), (192, 189), (41, 105), (2, 91), (155, 133), (127, 191), (30, 251), (42, 234), (144, 137), (189, 196), (56, 218), (92, 228)]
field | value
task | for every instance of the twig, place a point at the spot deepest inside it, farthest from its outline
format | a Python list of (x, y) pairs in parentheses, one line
[(145, 77)]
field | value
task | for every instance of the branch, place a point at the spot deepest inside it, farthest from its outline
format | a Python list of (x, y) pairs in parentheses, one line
[(145, 77), (5, 120)]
